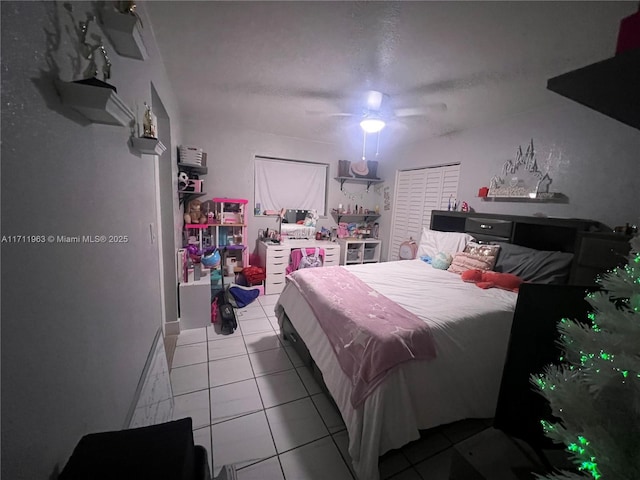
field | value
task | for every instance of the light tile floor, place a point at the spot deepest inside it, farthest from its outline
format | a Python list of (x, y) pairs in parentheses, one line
[(254, 404)]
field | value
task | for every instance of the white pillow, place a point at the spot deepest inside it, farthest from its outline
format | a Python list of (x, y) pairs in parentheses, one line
[(432, 242)]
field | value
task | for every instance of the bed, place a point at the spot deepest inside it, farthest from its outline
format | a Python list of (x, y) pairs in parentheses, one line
[(470, 329)]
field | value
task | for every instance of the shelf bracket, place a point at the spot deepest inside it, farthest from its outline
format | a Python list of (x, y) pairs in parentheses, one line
[(368, 185), (342, 183)]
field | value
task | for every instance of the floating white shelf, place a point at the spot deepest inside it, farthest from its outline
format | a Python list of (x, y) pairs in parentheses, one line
[(554, 197), (97, 104), (148, 146), (124, 31)]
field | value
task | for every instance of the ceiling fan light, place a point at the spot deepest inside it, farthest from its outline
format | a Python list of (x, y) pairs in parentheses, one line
[(372, 125)]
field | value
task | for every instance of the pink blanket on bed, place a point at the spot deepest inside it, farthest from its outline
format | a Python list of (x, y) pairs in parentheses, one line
[(369, 333)]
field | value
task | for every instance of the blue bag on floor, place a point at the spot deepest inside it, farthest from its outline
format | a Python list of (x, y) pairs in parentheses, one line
[(243, 295)]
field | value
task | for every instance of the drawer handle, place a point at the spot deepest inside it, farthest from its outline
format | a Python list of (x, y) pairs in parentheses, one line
[(485, 226), (292, 337)]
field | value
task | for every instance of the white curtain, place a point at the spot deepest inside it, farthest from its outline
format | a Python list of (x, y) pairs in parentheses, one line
[(290, 184)]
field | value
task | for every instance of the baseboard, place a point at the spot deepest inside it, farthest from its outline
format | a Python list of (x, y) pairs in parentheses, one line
[(153, 399), (172, 328)]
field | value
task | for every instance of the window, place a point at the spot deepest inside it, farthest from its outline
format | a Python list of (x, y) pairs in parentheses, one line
[(417, 193), (290, 184)]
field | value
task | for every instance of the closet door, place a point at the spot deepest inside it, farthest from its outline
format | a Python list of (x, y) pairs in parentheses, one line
[(417, 193)]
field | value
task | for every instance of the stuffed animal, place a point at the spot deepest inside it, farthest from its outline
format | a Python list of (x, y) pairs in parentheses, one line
[(183, 181), (194, 213), (311, 219), (441, 261), (488, 279)]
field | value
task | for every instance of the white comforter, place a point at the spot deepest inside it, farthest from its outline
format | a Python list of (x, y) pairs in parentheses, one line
[(471, 330)]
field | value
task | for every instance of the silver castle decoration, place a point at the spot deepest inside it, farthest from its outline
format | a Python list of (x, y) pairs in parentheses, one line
[(522, 177)]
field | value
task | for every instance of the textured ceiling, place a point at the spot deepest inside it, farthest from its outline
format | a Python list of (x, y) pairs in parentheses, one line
[(281, 67)]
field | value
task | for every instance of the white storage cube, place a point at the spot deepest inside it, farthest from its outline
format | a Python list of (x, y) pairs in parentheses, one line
[(195, 303)]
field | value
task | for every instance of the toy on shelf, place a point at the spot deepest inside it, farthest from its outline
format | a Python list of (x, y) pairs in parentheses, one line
[(194, 213), (219, 223)]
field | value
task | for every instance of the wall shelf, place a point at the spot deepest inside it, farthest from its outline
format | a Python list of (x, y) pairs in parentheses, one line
[(124, 31), (97, 104), (148, 146), (541, 198), (368, 181), (187, 196), (192, 167), (609, 87), (350, 218)]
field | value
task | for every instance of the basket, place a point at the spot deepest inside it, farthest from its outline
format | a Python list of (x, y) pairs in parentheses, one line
[(191, 155), (353, 254), (369, 253)]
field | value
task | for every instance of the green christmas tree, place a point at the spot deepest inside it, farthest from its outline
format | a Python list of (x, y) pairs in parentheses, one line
[(595, 391)]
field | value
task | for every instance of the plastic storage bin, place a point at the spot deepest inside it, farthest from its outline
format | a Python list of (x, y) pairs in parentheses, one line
[(369, 253), (353, 255)]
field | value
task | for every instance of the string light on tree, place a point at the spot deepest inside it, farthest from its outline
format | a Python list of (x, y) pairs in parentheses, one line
[(595, 391)]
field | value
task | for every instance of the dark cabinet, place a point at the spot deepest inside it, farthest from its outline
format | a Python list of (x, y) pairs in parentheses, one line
[(532, 346), (598, 252)]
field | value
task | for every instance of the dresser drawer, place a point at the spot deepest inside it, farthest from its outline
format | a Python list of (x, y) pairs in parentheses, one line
[(277, 266), (274, 284), (279, 254), (489, 227), (331, 261), (330, 256)]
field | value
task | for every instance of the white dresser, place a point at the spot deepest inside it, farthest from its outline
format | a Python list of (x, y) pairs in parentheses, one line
[(274, 258)]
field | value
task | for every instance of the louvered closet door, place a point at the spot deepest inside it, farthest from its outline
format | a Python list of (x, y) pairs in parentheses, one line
[(417, 193)]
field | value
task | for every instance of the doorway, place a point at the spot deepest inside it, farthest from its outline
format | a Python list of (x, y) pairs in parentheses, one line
[(165, 215)]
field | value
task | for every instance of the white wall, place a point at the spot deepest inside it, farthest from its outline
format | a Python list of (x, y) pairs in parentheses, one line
[(78, 319), (230, 160), (594, 161)]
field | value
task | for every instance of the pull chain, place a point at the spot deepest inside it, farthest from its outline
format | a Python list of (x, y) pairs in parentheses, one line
[(364, 146)]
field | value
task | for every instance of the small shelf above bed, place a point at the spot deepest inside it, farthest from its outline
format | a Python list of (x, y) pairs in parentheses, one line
[(554, 197), (350, 218)]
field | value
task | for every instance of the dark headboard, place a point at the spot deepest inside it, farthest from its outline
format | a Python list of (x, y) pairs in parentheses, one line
[(540, 233)]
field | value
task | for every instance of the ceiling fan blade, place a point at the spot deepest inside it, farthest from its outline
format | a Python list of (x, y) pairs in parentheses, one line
[(328, 114), (420, 111)]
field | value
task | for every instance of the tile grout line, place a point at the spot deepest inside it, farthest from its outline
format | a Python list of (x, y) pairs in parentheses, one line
[(206, 334), (264, 411)]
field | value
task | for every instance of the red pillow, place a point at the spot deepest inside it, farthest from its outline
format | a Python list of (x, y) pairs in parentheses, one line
[(484, 279)]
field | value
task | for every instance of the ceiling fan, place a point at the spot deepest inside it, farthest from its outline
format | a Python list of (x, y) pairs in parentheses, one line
[(376, 111)]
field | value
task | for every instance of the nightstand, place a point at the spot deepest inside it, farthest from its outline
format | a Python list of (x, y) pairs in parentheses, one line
[(596, 253)]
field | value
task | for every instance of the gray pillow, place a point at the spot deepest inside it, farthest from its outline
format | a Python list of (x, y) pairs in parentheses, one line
[(535, 266)]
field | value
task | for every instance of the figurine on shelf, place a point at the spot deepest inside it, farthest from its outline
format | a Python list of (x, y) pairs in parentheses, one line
[(126, 6), (194, 213), (183, 181), (87, 52), (149, 123)]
